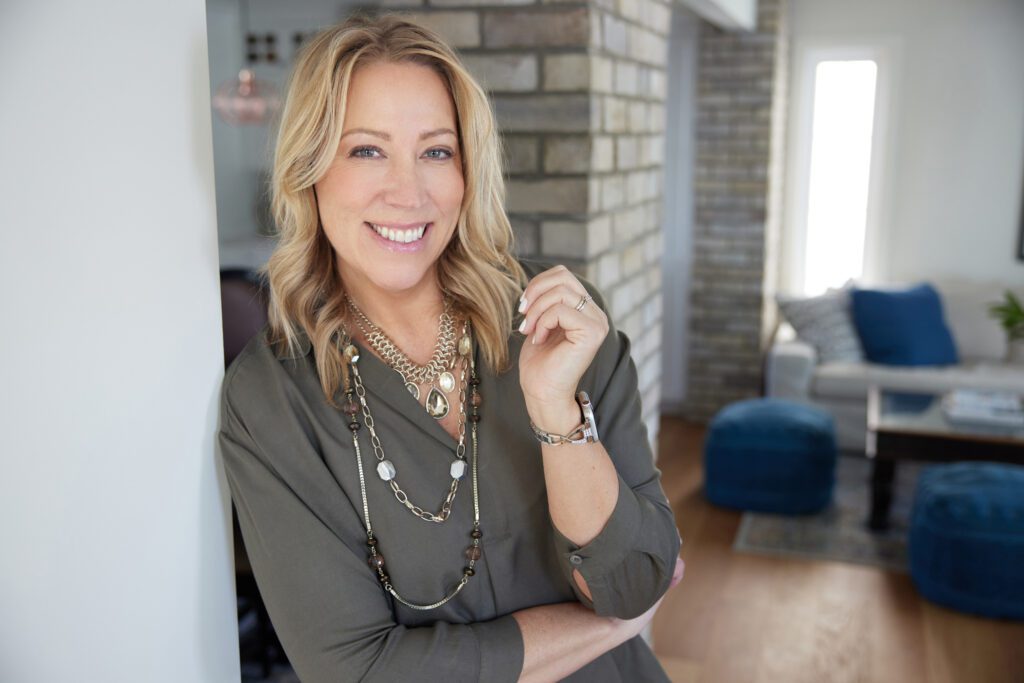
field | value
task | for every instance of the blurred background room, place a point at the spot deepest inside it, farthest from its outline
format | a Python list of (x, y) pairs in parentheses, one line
[(806, 215)]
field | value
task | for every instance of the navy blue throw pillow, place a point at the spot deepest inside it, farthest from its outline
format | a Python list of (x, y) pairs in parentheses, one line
[(903, 327)]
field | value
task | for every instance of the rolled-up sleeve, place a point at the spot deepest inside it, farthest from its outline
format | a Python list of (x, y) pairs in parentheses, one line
[(629, 564), (330, 613)]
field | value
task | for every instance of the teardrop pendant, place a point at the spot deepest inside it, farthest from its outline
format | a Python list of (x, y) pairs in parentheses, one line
[(437, 404)]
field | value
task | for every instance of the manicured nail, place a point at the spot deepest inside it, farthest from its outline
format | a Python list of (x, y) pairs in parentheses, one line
[(522, 304), (522, 325)]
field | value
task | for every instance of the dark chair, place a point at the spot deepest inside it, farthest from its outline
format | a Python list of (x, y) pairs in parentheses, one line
[(243, 298), (243, 302)]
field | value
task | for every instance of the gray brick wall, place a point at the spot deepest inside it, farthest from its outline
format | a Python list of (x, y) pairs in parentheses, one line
[(579, 93), (738, 174)]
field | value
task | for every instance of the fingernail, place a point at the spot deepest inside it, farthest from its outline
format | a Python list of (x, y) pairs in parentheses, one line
[(534, 339), (522, 325), (522, 304)]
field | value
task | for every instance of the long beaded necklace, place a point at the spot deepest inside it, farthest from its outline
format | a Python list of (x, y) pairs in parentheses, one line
[(474, 552), (386, 469), (437, 372)]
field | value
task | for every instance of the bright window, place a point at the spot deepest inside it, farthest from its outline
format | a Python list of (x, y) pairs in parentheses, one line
[(840, 162)]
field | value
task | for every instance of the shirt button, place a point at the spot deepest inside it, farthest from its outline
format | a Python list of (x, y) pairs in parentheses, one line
[(576, 559)]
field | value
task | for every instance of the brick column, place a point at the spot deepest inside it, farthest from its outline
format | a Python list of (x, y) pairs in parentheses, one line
[(740, 119), (578, 90)]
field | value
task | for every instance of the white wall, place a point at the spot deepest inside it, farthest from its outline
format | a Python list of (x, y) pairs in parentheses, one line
[(950, 203), (115, 562)]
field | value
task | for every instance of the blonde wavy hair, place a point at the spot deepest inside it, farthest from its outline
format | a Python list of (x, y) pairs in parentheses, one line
[(477, 267)]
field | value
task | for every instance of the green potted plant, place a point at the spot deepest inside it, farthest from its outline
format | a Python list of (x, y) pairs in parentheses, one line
[(1010, 314)]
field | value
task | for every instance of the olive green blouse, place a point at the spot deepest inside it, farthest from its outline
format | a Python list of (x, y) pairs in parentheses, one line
[(291, 467)]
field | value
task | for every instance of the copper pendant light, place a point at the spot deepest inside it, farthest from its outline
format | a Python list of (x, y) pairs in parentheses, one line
[(247, 100)]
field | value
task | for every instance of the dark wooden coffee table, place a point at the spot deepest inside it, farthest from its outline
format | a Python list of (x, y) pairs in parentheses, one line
[(911, 426)]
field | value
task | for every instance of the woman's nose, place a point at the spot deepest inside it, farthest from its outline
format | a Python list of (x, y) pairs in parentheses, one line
[(404, 186)]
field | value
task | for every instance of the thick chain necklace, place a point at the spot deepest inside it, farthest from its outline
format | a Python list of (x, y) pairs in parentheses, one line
[(474, 552), (437, 372)]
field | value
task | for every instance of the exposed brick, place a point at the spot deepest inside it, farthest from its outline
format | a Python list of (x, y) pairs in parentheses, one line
[(608, 270), (626, 78), (638, 113), (599, 235), (739, 82), (615, 34), (551, 195), (524, 28), (459, 29), (521, 153), (567, 154), (478, 3), (534, 113), (563, 239), (602, 153), (504, 72), (527, 239), (613, 192), (616, 114), (627, 152), (632, 259), (602, 74), (567, 72)]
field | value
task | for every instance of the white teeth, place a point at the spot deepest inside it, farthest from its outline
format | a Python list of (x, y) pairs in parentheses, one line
[(400, 236)]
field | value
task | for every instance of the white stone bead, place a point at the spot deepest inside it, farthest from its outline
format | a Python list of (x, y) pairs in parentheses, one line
[(458, 469), (386, 470)]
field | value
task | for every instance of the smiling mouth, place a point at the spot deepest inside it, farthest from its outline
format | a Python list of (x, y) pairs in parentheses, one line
[(400, 236)]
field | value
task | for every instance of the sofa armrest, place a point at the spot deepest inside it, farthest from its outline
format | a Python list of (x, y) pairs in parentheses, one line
[(789, 369)]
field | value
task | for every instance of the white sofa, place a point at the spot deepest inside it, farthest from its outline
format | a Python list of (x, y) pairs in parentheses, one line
[(792, 369)]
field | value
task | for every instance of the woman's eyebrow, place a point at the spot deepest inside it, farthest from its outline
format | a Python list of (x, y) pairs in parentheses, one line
[(386, 136)]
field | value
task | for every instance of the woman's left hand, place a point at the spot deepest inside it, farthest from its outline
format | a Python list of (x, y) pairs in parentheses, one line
[(560, 341)]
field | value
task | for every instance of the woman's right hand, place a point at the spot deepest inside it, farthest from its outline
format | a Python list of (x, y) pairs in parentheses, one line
[(633, 627)]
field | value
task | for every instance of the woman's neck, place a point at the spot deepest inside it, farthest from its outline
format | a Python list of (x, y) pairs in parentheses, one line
[(409, 318)]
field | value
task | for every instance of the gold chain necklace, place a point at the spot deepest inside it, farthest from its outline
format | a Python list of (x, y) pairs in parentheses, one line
[(437, 372), (474, 552)]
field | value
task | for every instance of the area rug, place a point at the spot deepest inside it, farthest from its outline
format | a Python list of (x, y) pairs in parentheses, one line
[(840, 532)]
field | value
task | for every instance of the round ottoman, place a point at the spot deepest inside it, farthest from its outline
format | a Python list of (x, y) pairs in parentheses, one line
[(967, 537), (770, 455)]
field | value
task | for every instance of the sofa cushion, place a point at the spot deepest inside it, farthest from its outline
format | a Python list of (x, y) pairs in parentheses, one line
[(851, 380), (825, 323), (903, 327)]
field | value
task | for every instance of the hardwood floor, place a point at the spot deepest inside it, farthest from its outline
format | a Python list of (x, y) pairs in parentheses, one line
[(745, 618)]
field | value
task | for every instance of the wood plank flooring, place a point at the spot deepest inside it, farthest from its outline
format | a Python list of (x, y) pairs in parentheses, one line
[(749, 619)]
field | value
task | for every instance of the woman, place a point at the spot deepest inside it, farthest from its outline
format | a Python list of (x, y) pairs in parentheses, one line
[(392, 443)]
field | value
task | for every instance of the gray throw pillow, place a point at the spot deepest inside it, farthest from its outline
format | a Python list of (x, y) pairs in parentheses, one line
[(825, 322)]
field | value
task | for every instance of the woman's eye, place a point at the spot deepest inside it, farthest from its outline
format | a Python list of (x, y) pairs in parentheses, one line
[(365, 152), (439, 153)]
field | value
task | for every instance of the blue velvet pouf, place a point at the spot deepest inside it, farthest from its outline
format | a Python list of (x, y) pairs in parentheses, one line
[(770, 455), (967, 538)]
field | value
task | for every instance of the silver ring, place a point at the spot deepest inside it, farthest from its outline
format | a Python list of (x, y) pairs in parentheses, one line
[(583, 302)]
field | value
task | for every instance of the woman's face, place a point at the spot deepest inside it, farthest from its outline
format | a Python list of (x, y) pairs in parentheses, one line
[(390, 201)]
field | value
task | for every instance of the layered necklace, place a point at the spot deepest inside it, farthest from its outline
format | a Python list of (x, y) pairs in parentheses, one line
[(438, 370), (355, 403)]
